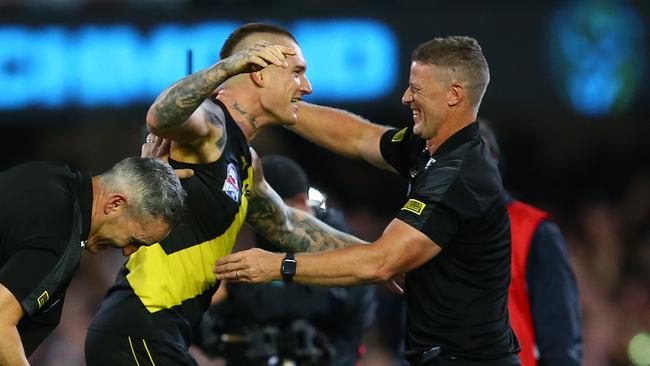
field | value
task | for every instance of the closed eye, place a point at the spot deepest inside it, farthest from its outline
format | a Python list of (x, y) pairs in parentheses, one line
[(137, 243)]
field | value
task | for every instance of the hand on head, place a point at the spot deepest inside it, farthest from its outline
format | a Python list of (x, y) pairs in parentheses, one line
[(257, 57), (159, 148)]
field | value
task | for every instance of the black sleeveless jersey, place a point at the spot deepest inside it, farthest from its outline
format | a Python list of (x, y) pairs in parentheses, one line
[(163, 290)]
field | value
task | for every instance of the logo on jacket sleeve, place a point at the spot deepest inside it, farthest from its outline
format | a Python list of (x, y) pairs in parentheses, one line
[(399, 136), (414, 206), (43, 299), (231, 184)]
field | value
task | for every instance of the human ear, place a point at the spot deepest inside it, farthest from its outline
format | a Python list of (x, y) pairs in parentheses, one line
[(258, 78), (455, 95), (114, 202)]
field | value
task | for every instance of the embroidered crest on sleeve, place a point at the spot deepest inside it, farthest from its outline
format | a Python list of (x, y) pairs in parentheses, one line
[(414, 206), (399, 136), (43, 299)]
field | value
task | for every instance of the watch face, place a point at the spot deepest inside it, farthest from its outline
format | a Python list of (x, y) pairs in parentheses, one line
[(288, 267)]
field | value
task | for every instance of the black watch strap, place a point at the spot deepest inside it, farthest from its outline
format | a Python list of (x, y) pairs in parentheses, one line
[(288, 268)]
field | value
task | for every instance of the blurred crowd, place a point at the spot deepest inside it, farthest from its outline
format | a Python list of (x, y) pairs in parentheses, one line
[(610, 245)]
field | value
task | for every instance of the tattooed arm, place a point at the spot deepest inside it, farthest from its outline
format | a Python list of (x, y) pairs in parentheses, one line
[(183, 111), (288, 228), (336, 259)]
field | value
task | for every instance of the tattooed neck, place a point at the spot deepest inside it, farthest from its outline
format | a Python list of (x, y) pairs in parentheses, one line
[(252, 119)]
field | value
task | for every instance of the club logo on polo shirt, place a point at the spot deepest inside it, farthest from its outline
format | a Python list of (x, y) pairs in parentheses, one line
[(414, 206), (399, 136), (43, 299), (231, 184)]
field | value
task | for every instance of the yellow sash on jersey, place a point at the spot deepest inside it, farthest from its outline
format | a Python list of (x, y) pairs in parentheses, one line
[(163, 280)]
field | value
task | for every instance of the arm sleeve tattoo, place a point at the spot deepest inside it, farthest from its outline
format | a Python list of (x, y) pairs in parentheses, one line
[(175, 105), (290, 229)]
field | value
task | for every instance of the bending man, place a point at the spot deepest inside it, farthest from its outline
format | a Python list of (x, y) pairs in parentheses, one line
[(49, 214)]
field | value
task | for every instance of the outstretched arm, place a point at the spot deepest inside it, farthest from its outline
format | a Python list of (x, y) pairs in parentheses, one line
[(176, 114), (11, 348), (400, 249), (288, 228), (342, 132)]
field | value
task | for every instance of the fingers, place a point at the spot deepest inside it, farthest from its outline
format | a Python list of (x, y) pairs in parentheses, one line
[(230, 258), (287, 51), (271, 53), (164, 145), (231, 272), (158, 147), (258, 61), (145, 150), (280, 54), (250, 266), (226, 266), (155, 140), (264, 57), (184, 173), (148, 147)]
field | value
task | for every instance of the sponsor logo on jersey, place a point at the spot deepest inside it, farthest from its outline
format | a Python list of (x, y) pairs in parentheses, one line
[(414, 206), (231, 185)]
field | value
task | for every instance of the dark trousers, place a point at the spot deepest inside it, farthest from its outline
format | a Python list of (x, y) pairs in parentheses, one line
[(108, 349), (512, 360)]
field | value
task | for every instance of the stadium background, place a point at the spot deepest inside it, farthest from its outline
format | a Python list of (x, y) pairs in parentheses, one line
[(568, 99)]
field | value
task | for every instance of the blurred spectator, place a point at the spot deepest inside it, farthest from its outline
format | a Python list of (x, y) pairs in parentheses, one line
[(611, 247)]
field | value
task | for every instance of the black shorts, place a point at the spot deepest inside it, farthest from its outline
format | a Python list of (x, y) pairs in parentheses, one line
[(109, 349)]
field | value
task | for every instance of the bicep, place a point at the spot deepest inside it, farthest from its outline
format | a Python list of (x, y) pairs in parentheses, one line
[(11, 349), (194, 128), (369, 147), (342, 132), (406, 247), (11, 312)]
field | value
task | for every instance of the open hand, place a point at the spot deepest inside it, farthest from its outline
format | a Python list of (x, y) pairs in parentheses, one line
[(158, 147), (252, 266), (256, 57)]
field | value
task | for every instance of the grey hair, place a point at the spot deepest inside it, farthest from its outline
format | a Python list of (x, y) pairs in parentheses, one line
[(150, 185)]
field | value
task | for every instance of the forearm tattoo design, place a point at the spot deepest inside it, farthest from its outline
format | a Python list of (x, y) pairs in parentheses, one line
[(291, 229), (175, 105)]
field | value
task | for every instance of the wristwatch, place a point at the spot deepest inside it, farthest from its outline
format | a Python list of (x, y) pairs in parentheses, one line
[(288, 268)]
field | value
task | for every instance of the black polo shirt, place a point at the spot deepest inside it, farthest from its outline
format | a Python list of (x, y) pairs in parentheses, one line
[(458, 299), (44, 216)]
